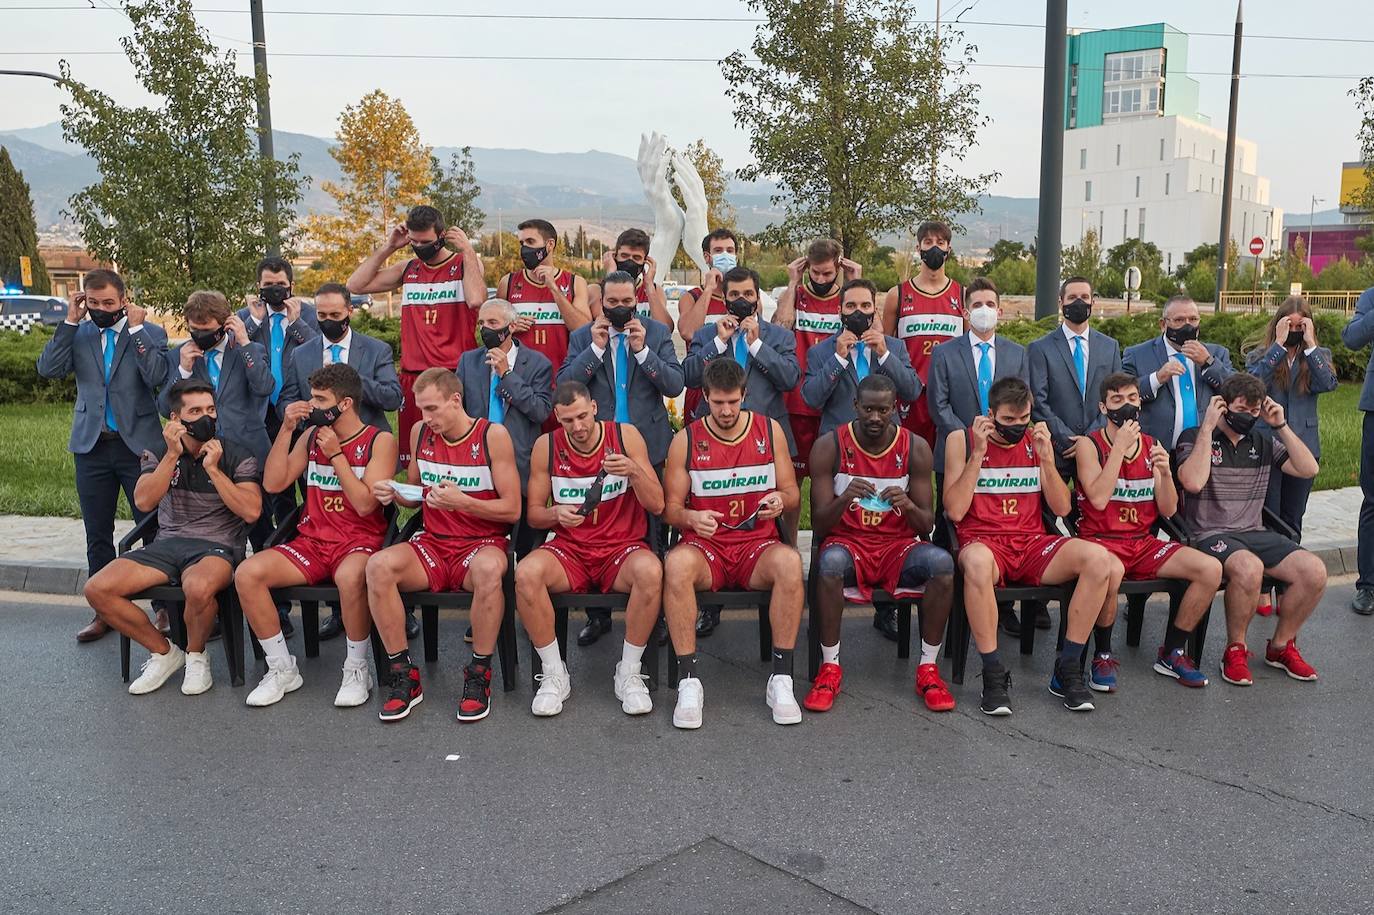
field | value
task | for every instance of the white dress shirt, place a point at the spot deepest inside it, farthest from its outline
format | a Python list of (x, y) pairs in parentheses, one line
[(1191, 367), (600, 353), (976, 342), (344, 342)]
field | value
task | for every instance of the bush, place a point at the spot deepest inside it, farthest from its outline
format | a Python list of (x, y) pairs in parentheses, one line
[(19, 378), (383, 328)]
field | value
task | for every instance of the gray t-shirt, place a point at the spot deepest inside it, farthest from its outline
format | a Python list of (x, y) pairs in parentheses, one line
[(192, 507), (1233, 499)]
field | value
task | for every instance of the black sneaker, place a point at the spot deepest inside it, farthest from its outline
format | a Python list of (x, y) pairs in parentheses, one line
[(1067, 683), (885, 620), (996, 692), (708, 618), (1006, 618), (412, 626), (403, 692), (476, 701)]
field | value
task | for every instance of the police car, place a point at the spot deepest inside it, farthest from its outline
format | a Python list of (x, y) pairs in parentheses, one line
[(19, 311)]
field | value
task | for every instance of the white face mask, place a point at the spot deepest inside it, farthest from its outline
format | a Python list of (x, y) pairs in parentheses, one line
[(983, 318)]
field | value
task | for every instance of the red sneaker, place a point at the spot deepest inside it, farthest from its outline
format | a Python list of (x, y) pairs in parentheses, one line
[(932, 689), (1235, 665), (825, 688), (1289, 661)]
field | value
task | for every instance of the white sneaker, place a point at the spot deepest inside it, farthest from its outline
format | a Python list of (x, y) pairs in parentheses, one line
[(554, 687), (690, 699), (156, 670), (632, 690), (357, 683), (197, 679), (281, 678), (781, 700)]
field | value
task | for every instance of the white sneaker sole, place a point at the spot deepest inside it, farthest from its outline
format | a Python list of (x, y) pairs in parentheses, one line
[(382, 716), (347, 703), (784, 715), (686, 724), (187, 690), (291, 687), (1002, 711), (620, 694), (549, 713), (1311, 679), (1236, 682)]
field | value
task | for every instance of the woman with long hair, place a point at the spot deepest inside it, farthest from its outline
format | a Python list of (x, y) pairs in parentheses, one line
[(1295, 370)]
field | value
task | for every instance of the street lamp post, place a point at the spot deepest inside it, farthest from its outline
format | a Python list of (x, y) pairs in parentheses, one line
[(1311, 215)]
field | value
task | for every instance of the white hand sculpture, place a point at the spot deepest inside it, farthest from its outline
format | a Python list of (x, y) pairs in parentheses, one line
[(668, 217), (693, 192)]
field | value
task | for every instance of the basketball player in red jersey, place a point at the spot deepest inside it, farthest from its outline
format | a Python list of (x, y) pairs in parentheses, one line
[(471, 497), (550, 302), (441, 291), (631, 255), (929, 311), (872, 507), (998, 474), (603, 488), (721, 250), (1124, 484), (727, 479), (810, 308), (341, 525)]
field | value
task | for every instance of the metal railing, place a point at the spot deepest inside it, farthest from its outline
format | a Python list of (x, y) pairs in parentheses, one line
[(1264, 302)]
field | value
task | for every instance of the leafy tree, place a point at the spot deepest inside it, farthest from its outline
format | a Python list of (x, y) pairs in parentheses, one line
[(1193, 258), (1002, 250), (179, 201), (454, 191), (18, 231), (1014, 276), (500, 255), (860, 113), (1363, 93), (1201, 281), (1084, 258)]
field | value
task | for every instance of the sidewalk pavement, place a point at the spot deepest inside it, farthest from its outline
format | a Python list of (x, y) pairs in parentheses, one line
[(47, 555)]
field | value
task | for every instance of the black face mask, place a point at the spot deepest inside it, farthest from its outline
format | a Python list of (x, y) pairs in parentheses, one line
[(635, 270), (934, 257), (1180, 335), (325, 417), (1240, 423), (619, 316), (1076, 311), (1012, 433), (857, 322), (334, 329), (822, 288), (275, 295), (740, 308), (532, 257), (207, 339), (1124, 414), (104, 319), (429, 250), (1295, 338), (491, 339), (201, 429)]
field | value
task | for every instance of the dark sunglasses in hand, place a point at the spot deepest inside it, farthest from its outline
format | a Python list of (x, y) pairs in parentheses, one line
[(746, 525)]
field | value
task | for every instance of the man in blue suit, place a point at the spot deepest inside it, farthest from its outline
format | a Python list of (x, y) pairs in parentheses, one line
[(119, 362), (1356, 334), (1178, 374), (1067, 366)]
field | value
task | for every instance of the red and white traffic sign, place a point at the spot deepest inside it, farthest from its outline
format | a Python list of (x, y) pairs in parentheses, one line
[(1257, 246)]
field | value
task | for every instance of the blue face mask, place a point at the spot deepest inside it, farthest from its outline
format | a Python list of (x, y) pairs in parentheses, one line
[(724, 262)]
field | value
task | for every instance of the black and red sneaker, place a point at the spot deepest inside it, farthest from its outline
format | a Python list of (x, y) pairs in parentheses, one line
[(476, 701), (403, 692)]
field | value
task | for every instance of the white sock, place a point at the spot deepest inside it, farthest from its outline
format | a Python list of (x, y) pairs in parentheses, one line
[(549, 657), (830, 654), (929, 652), (275, 647), (357, 651), (631, 655)]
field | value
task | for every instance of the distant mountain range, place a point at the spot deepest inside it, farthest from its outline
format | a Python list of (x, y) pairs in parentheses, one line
[(597, 189)]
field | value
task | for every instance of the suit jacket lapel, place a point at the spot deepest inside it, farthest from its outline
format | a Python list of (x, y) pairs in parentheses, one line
[(121, 344), (1163, 353), (98, 349), (1061, 344), (965, 351)]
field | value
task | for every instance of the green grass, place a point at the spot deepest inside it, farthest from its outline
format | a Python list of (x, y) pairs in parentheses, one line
[(37, 475)]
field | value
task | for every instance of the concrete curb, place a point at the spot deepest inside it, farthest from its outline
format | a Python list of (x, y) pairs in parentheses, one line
[(70, 577)]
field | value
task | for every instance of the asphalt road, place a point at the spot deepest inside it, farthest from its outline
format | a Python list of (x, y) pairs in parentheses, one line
[(1164, 800)]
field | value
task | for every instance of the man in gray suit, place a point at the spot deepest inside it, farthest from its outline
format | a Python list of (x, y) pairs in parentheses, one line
[(1359, 333), (836, 365), (1178, 374), (371, 358), (119, 362), (1067, 366)]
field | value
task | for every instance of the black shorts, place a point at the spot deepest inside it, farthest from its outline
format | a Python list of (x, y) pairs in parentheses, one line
[(1271, 548), (174, 555)]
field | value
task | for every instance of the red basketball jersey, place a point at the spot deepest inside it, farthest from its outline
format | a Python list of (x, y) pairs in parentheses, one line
[(328, 515), (619, 519), (549, 335), (466, 464), (691, 397), (925, 321), (1007, 498), (437, 325), (891, 467), (1132, 509), (732, 477), (817, 319)]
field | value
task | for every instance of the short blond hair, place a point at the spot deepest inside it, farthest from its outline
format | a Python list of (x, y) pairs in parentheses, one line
[(446, 381), (206, 305)]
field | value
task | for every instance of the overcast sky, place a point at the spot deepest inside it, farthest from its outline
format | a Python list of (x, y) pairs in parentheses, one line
[(1304, 127)]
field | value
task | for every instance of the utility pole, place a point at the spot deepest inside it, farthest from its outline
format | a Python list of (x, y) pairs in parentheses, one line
[(936, 72), (1311, 215), (269, 195), (1048, 240), (1229, 175)]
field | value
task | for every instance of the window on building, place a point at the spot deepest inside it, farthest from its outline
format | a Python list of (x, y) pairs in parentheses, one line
[(1083, 158), (1140, 229), (1214, 156), (1118, 154), (1214, 185), (1137, 185), (1132, 83), (1166, 184), (1161, 149), (1087, 191), (1125, 222)]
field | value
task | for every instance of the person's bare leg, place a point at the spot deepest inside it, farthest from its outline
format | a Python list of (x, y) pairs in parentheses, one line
[(834, 560), (483, 579), (1107, 615), (201, 583), (254, 579), (1244, 573), (641, 576), (390, 572), (685, 572), (779, 570), (537, 576), (1088, 563), (980, 570), (1305, 575), (351, 580), (935, 603), (1203, 574), (105, 594)]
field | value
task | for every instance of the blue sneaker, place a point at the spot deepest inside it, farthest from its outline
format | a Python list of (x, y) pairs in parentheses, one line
[(1103, 676), (1178, 665)]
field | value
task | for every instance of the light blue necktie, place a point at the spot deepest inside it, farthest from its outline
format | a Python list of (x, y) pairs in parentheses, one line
[(111, 339), (1080, 364), (496, 410), (212, 366), (1187, 395), (622, 379), (278, 346), (984, 377), (741, 351), (861, 367), (334, 353)]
